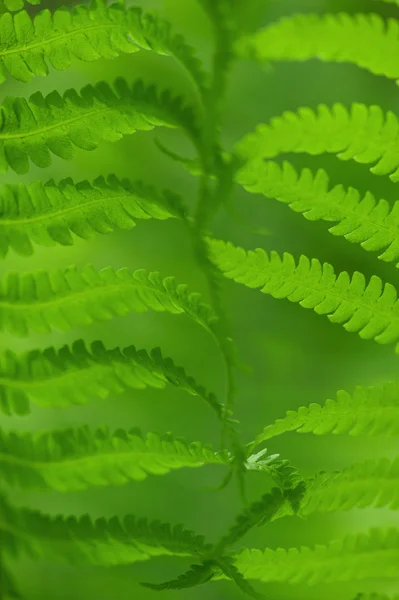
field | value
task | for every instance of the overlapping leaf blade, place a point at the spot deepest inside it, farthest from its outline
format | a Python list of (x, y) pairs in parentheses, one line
[(356, 557), (53, 213), (102, 30), (367, 484), (34, 129), (368, 411), (363, 133), (42, 301), (374, 224), (368, 308), (76, 459), (83, 541), (76, 374), (331, 38)]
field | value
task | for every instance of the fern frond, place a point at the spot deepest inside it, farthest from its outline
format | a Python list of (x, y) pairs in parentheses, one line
[(197, 575), (368, 411), (75, 459), (340, 37), (50, 213), (75, 375), (366, 221), (83, 541), (356, 557), (275, 505), (362, 133), (62, 299), (369, 309), (370, 483), (28, 45), (36, 129)]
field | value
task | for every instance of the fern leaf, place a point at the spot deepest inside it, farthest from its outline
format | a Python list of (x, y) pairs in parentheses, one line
[(368, 411), (369, 309), (36, 129), (75, 459), (363, 133), (197, 575), (370, 483), (229, 569), (356, 557), (62, 299), (340, 37), (76, 374), (28, 45), (275, 505), (50, 213), (283, 472), (83, 541), (375, 225)]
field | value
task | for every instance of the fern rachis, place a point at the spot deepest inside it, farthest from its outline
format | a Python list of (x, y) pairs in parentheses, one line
[(63, 302)]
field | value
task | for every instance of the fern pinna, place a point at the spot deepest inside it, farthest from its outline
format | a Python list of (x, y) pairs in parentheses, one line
[(37, 130)]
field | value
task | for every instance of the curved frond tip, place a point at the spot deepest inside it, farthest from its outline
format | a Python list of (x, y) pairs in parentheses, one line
[(49, 213), (362, 220), (368, 411), (356, 557), (363, 133), (369, 309), (34, 129), (75, 375), (340, 37), (76, 459), (82, 541), (102, 30), (42, 301)]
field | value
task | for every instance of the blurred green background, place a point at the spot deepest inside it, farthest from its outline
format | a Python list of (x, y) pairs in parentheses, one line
[(296, 356)]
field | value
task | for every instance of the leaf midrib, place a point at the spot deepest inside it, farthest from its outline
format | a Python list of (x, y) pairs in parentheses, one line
[(94, 458), (69, 34), (77, 208)]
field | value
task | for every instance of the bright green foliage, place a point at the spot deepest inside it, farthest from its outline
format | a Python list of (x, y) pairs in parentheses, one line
[(371, 309), (197, 575), (29, 44), (76, 375), (375, 225), (36, 129), (368, 411), (275, 505), (75, 459), (47, 214), (14, 5), (363, 133), (83, 541), (372, 555), (51, 213), (362, 485), (371, 483), (328, 37), (63, 299)]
